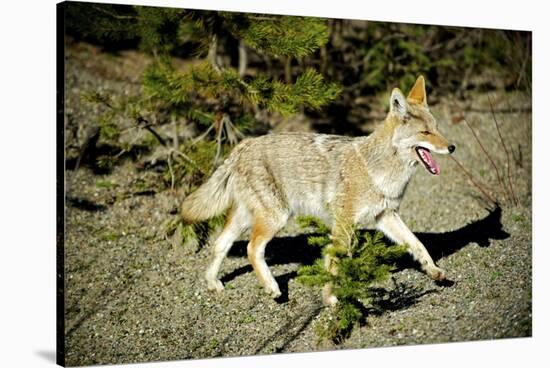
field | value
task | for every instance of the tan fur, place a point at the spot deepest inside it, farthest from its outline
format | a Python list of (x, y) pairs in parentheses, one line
[(342, 180)]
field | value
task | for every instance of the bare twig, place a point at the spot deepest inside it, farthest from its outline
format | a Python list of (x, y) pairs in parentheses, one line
[(96, 97), (261, 17), (175, 138), (143, 123), (521, 72), (474, 182), (232, 133), (499, 177), (219, 140), (508, 110), (201, 137), (506, 150), (188, 159), (116, 16), (519, 159), (172, 177)]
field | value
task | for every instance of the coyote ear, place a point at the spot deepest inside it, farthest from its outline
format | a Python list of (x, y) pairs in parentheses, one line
[(398, 103), (418, 92)]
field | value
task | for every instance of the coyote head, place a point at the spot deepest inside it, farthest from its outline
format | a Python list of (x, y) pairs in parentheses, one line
[(415, 135)]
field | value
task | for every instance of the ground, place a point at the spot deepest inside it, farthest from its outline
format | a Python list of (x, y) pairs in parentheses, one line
[(132, 294)]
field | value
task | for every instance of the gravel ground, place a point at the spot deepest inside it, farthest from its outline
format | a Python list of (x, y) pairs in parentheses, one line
[(133, 295)]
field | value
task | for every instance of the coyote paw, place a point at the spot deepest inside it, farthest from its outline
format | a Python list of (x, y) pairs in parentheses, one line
[(329, 299), (273, 291), (215, 285), (275, 294), (436, 273)]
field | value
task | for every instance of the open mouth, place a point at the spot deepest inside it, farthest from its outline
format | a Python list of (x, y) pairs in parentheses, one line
[(426, 158)]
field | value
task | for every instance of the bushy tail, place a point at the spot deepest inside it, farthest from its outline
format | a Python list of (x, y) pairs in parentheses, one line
[(211, 198)]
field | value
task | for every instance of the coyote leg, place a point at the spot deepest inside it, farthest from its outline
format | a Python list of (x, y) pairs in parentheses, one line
[(342, 234), (391, 224), (330, 264), (235, 225), (262, 232)]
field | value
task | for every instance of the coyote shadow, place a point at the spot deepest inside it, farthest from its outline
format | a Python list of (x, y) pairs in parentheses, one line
[(295, 249), (85, 204), (284, 250), (482, 231)]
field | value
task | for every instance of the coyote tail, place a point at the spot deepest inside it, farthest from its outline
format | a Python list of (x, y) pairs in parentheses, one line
[(211, 198)]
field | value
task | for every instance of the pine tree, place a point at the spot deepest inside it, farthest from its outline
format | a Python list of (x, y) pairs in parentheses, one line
[(277, 36), (221, 101), (369, 260)]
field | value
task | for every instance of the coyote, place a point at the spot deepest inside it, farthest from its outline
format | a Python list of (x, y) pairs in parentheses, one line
[(342, 180)]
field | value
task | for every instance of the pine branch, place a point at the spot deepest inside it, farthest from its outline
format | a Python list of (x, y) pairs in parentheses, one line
[(282, 35), (369, 261)]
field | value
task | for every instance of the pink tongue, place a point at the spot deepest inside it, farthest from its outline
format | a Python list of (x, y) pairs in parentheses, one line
[(433, 167)]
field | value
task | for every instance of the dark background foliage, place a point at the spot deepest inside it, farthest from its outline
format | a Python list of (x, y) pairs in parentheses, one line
[(228, 75)]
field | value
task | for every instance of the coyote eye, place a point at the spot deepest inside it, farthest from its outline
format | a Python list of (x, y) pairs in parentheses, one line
[(425, 132)]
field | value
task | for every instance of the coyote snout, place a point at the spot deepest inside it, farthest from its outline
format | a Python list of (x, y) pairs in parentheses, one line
[(424, 151), (342, 180)]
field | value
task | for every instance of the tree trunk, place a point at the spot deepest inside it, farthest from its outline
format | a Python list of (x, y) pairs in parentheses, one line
[(243, 59), (213, 52)]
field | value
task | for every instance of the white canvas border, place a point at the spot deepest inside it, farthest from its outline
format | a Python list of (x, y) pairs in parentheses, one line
[(28, 180)]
